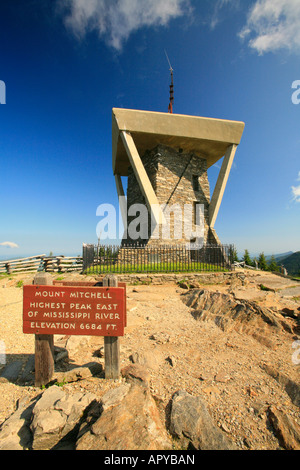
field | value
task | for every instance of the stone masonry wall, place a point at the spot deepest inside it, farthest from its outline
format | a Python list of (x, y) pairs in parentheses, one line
[(171, 173)]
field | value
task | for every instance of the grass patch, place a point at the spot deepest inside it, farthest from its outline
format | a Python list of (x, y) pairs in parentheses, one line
[(156, 268), (5, 276), (264, 288), (54, 384), (184, 284)]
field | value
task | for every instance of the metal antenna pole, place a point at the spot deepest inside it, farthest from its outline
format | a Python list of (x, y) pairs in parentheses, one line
[(171, 86)]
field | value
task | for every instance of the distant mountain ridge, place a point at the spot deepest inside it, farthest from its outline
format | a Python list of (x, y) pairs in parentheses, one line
[(290, 262), (279, 256)]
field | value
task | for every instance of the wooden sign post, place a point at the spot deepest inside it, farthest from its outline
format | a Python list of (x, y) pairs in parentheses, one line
[(44, 345), (111, 344), (67, 308)]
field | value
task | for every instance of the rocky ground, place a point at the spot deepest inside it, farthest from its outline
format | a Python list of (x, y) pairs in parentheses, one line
[(234, 345)]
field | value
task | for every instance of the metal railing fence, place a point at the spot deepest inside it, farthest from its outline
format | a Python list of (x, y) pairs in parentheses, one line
[(123, 259)]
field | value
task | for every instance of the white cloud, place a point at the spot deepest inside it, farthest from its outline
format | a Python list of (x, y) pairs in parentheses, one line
[(218, 6), (115, 20), (273, 25), (9, 244), (296, 191)]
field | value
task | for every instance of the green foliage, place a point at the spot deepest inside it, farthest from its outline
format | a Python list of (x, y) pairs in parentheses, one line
[(292, 264), (247, 259), (184, 283), (235, 255), (54, 384), (262, 262), (264, 288), (273, 266), (157, 268), (5, 275), (107, 252)]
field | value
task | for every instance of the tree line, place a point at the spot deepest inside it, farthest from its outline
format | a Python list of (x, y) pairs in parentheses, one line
[(261, 262)]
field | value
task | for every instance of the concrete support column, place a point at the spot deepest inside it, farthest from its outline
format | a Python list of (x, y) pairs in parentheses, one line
[(142, 177), (122, 199), (221, 185)]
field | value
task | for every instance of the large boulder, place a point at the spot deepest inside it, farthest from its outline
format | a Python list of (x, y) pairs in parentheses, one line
[(244, 316), (128, 419), (14, 432), (286, 429), (51, 420), (192, 425), (56, 415)]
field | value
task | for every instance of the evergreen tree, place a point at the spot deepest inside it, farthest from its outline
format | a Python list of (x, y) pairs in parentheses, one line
[(247, 259), (273, 266), (262, 262), (235, 255)]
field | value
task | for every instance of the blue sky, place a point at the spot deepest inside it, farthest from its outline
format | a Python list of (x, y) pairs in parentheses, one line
[(66, 64)]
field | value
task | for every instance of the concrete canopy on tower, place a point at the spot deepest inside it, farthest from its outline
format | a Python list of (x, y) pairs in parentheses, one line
[(209, 138)]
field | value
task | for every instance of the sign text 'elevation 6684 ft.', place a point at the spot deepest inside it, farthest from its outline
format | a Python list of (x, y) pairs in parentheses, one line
[(87, 311)]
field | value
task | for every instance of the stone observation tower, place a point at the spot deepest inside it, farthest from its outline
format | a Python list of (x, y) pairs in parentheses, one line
[(166, 157)]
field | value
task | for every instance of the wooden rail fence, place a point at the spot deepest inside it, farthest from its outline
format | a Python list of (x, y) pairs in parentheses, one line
[(59, 264), (62, 264)]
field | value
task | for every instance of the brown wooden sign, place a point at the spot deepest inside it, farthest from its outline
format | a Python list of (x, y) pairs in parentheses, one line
[(74, 310)]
